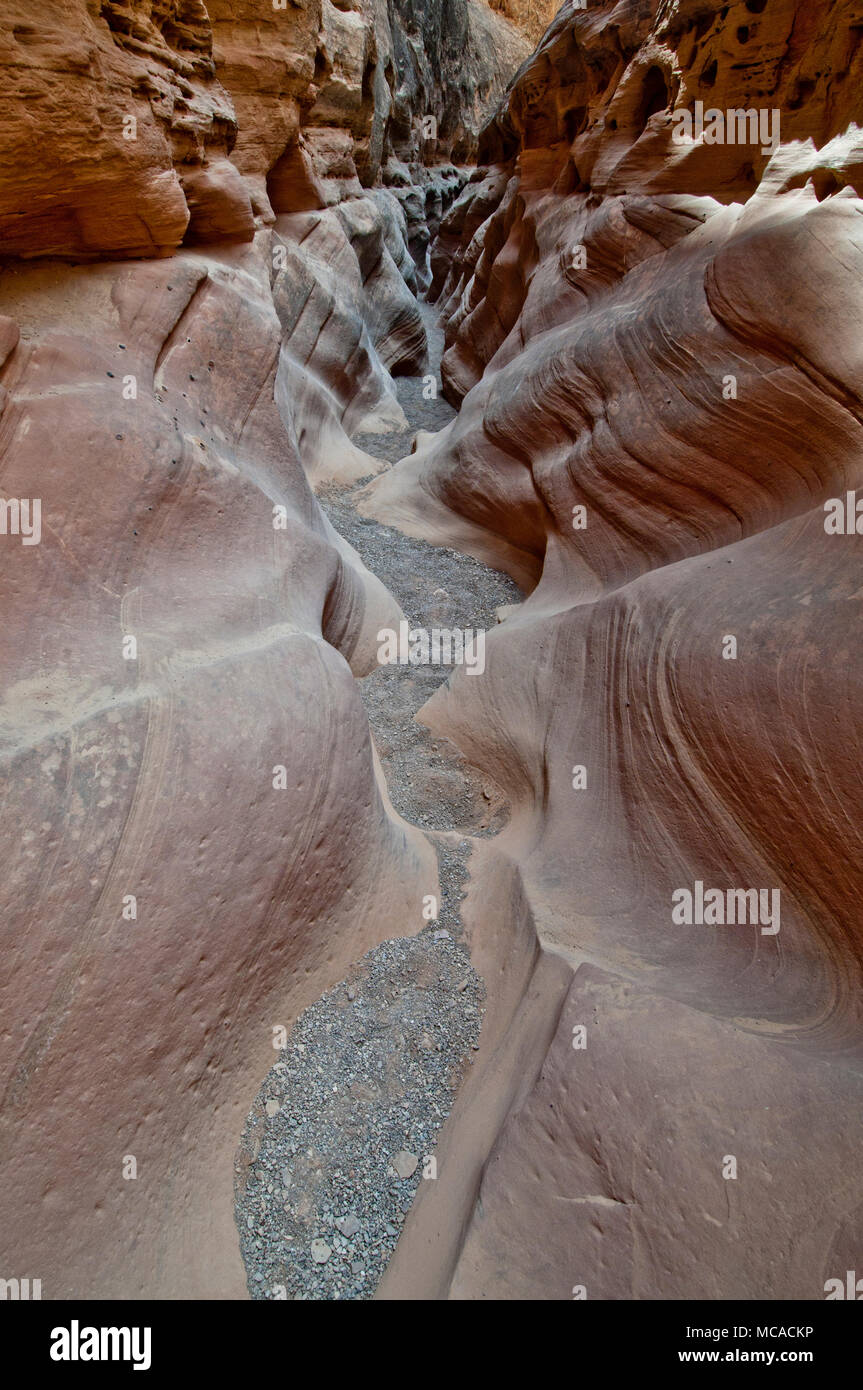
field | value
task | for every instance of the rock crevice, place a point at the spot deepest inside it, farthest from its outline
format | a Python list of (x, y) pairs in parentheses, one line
[(236, 447)]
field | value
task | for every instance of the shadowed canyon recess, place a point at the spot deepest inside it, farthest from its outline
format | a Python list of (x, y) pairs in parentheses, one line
[(429, 720)]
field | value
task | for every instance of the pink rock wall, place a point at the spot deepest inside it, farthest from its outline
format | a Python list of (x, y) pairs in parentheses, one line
[(655, 349)]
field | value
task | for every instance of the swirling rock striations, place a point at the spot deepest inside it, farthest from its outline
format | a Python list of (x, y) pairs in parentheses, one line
[(213, 223), (206, 285), (654, 340)]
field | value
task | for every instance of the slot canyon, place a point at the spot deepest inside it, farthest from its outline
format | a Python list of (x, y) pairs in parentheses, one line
[(430, 715)]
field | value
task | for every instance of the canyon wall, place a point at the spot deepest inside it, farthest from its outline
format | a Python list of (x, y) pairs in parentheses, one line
[(214, 223), (531, 16), (206, 286), (653, 336)]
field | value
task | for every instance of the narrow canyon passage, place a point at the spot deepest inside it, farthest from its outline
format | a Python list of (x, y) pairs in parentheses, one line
[(436, 587), (430, 695), (344, 1129)]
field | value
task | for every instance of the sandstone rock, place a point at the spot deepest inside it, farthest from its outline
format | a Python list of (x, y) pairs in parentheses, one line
[(631, 1201), (377, 232), (532, 17), (654, 342), (292, 184), (219, 205), (332, 380), (265, 58), (9, 336), (121, 95), (663, 335), (136, 104), (126, 775)]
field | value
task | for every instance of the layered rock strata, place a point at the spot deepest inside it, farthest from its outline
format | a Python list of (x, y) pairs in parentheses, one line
[(205, 289), (652, 335)]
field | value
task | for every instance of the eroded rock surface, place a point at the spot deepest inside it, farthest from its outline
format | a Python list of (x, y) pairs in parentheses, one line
[(206, 287), (172, 790), (214, 222), (653, 343)]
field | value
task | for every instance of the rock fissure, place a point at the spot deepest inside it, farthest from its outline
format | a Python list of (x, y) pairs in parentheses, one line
[(430, 435), (324, 1225)]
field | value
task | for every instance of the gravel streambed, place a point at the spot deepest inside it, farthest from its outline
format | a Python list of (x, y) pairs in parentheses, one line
[(343, 1130), (344, 1127)]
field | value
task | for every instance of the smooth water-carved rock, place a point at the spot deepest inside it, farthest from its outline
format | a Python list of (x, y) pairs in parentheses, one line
[(190, 794), (199, 842), (654, 342), (653, 337)]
